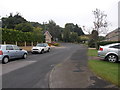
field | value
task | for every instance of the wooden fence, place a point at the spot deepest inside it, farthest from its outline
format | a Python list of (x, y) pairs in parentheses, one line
[(21, 43)]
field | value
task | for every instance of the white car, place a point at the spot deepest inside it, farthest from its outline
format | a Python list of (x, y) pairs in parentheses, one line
[(41, 48)]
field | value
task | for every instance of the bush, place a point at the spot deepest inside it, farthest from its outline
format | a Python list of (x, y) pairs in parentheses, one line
[(106, 42), (10, 35), (55, 44), (91, 43)]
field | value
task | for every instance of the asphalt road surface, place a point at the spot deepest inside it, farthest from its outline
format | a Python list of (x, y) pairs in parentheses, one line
[(34, 71)]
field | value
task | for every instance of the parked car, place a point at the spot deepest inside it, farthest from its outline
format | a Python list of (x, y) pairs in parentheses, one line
[(41, 48), (8, 52), (110, 52)]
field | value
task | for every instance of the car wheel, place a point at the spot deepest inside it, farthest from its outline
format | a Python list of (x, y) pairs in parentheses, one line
[(49, 50), (25, 56), (112, 58), (5, 60), (42, 51), (32, 52)]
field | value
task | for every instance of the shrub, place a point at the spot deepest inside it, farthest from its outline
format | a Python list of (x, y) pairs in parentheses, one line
[(91, 43), (10, 35), (106, 42), (56, 44)]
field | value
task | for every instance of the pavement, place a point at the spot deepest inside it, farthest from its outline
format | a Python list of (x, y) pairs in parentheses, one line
[(74, 73)]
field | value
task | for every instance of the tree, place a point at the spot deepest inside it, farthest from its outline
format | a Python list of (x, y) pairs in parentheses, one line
[(78, 30), (100, 25), (55, 30), (38, 34), (70, 26), (66, 33), (11, 21), (100, 22), (73, 37), (24, 27)]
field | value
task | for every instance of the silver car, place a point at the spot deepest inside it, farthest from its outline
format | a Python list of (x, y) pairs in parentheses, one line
[(110, 52), (8, 52)]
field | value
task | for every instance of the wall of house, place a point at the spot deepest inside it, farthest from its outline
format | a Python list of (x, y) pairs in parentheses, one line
[(113, 36), (48, 39)]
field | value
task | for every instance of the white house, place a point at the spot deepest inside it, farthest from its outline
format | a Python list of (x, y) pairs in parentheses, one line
[(48, 37)]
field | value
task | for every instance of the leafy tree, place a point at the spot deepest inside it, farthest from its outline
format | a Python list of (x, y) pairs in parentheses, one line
[(66, 33), (78, 30), (73, 37), (55, 30), (36, 24), (11, 21), (24, 27), (70, 26), (93, 39), (38, 34)]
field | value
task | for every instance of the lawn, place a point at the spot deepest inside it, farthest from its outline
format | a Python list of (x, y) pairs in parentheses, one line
[(104, 69), (92, 52)]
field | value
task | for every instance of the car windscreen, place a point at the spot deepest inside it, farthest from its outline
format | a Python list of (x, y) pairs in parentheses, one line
[(40, 45)]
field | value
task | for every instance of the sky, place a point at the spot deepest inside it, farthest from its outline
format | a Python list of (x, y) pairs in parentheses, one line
[(62, 11)]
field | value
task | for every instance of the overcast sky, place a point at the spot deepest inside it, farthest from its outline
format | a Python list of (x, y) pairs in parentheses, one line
[(62, 11)]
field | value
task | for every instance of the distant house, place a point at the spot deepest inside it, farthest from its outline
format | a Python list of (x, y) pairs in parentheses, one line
[(48, 37), (113, 36)]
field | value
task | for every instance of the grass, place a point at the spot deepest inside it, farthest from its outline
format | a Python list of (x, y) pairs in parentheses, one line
[(92, 52), (106, 70)]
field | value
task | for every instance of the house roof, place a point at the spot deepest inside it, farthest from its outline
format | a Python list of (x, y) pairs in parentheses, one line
[(47, 33)]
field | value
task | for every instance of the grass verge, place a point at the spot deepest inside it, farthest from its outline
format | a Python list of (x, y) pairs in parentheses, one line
[(92, 52), (106, 70)]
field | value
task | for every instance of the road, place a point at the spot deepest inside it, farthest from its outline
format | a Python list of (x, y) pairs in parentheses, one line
[(34, 71)]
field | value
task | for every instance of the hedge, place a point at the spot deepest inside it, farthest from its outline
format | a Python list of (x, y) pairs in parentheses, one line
[(91, 43), (107, 42), (10, 35)]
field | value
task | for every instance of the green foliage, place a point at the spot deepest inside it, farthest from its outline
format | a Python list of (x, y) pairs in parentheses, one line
[(11, 21), (24, 27), (102, 43), (73, 37), (55, 30), (91, 43), (10, 35), (78, 30), (55, 44), (66, 35), (72, 32)]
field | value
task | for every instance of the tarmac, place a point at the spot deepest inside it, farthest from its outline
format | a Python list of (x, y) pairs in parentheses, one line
[(75, 73)]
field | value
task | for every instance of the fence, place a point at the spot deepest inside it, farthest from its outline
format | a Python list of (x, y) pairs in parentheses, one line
[(21, 43)]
